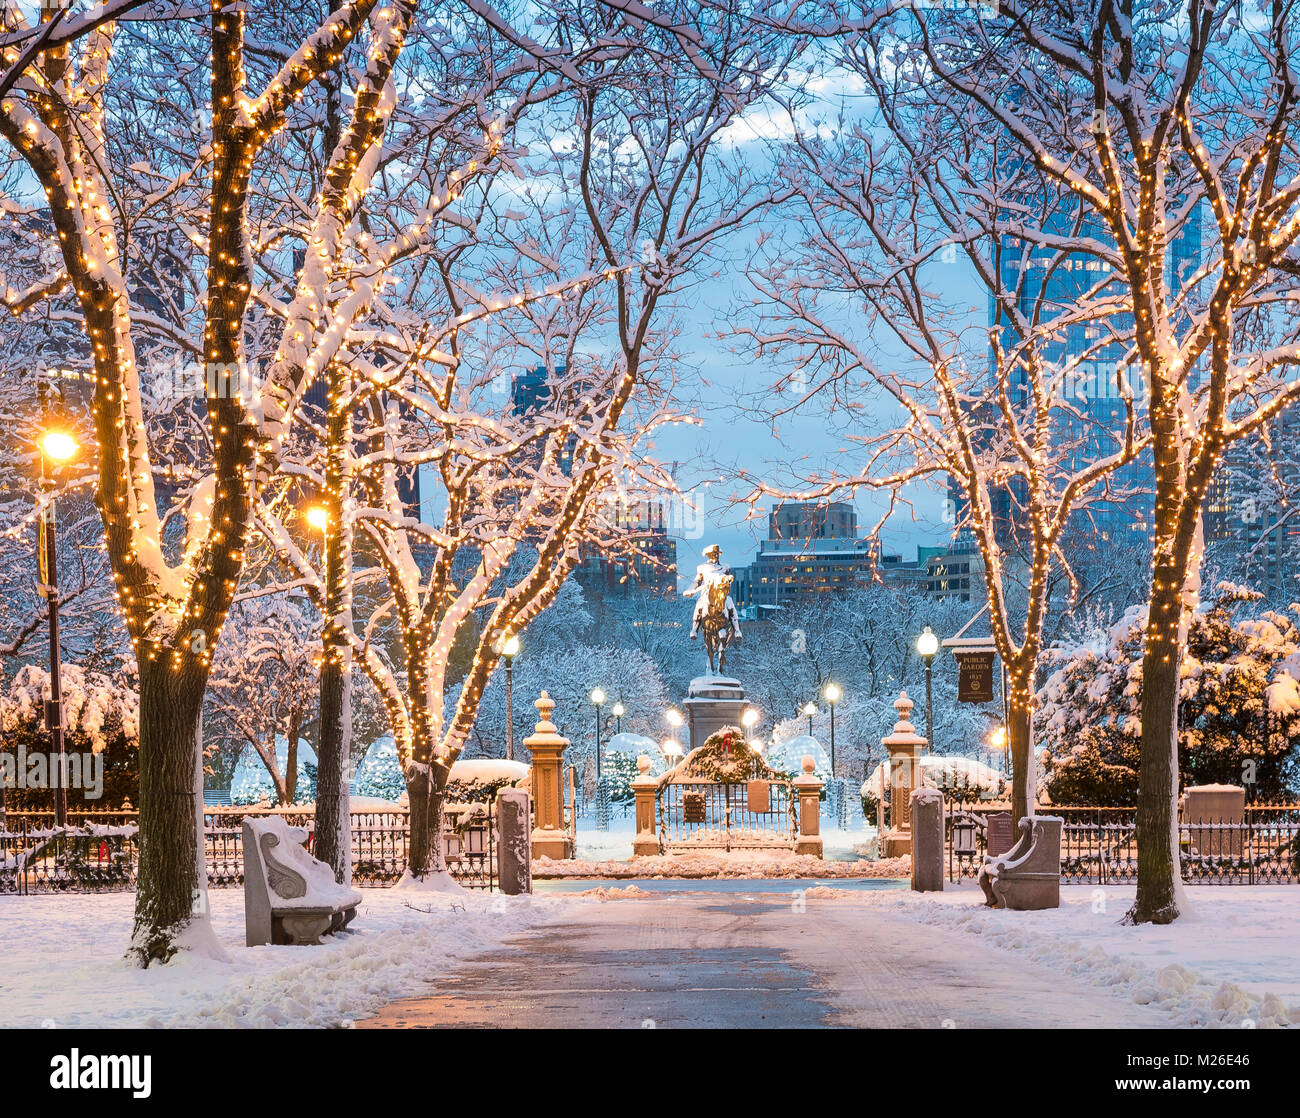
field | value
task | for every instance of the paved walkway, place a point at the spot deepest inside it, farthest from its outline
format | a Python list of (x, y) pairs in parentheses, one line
[(695, 959)]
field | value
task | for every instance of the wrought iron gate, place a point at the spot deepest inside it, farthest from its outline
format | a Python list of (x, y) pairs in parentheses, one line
[(711, 802)]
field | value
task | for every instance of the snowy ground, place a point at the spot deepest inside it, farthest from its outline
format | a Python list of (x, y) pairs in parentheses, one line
[(64, 965), (1231, 961)]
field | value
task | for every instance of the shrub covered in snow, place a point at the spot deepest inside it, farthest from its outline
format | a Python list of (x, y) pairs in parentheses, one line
[(960, 779), (1239, 717), (101, 715)]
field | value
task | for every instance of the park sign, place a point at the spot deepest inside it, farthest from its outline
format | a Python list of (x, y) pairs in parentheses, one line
[(974, 676)]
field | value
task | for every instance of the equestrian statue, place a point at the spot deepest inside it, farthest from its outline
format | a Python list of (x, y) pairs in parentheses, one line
[(715, 613)]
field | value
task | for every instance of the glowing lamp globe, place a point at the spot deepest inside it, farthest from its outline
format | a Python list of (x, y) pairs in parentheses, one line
[(927, 644), (59, 446)]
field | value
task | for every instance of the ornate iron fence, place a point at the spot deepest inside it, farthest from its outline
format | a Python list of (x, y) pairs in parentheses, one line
[(98, 851), (1099, 845)]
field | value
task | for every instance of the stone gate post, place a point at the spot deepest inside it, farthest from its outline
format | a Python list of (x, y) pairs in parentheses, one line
[(546, 749), (645, 788), (809, 790), (904, 746)]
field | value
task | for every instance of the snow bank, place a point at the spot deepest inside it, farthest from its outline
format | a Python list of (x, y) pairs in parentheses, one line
[(1230, 962), (64, 964)]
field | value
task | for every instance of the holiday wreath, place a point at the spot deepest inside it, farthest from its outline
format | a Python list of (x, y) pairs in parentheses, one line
[(727, 756)]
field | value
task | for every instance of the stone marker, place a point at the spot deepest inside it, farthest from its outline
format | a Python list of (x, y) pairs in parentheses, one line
[(1001, 837), (1205, 806), (927, 840)]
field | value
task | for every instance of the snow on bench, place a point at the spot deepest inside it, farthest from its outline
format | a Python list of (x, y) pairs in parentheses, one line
[(289, 896)]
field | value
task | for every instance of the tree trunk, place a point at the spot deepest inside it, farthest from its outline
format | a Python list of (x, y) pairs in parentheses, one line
[(1159, 872), (1020, 748), (290, 762), (333, 762), (333, 753), (171, 889), (427, 806)]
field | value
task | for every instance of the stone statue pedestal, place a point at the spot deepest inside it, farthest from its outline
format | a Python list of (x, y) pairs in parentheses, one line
[(714, 701)]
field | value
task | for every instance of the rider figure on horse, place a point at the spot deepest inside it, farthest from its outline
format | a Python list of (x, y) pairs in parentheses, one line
[(713, 604)]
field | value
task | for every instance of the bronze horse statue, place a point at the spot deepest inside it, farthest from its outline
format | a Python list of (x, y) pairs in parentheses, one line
[(720, 622)]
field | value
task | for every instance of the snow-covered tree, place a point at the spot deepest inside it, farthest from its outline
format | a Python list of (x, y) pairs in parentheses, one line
[(568, 674), (606, 224), (101, 716), (1239, 709), (264, 684), (1155, 117), (991, 413), (864, 640), (74, 96)]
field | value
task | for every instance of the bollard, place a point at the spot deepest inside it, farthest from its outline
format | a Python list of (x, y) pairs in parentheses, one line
[(927, 840), (514, 845)]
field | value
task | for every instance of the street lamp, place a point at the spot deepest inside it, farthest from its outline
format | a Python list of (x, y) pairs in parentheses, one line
[(810, 708), (927, 644), (998, 742), (57, 447), (674, 718), (833, 694), (749, 718), (318, 517), (618, 711), (672, 751), (602, 818), (510, 649)]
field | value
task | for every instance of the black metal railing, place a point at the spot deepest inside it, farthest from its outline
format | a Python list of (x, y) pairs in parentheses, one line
[(1099, 845), (98, 851)]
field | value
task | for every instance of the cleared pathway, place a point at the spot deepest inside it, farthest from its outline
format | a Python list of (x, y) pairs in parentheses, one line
[(702, 959)]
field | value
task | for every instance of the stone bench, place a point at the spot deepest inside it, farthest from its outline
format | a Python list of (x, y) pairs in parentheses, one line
[(1028, 876), (289, 896)]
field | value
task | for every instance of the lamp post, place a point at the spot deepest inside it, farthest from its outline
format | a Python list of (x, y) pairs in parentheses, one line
[(602, 808), (510, 649), (57, 447), (749, 719), (618, 710), (833, 694), (810, 708), (927, 644)]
